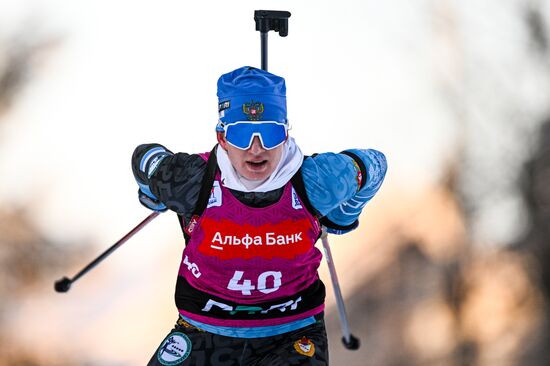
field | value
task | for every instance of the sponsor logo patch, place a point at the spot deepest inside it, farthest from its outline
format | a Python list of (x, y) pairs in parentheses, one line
[(359, 176), (191, 226), (295, 201), (305, 347), (226, 239), (215, 199), (224, 105), (175, 349), (155, 162), (185, 324), (215, 307)]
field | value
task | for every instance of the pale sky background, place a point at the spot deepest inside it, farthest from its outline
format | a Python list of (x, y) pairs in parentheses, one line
[(364, 74), (132, 72)]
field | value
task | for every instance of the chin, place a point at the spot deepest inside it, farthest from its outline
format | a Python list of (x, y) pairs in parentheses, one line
[(257, 176)]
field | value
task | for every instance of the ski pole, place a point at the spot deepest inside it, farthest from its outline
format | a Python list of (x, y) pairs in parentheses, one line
[(267, 20), (349, 340), (64, 284)]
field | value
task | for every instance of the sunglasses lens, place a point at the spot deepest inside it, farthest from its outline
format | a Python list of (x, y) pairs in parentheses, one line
[(241, 135)]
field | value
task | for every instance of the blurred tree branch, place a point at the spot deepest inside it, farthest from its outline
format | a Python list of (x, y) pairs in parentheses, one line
[(19, 58), (27, 257)]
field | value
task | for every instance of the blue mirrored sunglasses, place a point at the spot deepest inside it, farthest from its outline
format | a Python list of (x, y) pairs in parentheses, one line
[(241, 134)]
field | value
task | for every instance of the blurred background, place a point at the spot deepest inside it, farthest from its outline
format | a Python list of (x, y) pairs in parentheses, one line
[(450, 263)]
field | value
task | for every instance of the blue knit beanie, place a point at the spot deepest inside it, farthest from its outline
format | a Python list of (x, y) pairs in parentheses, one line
[(250, 94)]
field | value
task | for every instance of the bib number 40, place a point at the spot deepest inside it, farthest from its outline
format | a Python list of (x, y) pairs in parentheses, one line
[(269, 278)]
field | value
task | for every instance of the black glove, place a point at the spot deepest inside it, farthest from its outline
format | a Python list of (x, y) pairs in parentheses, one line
[(145, 161)]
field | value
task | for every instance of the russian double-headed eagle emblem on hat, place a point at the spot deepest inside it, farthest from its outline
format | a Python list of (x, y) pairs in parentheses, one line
[(253, 110)]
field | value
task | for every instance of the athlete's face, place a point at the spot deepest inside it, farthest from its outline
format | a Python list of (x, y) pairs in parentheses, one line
[(254, 163)]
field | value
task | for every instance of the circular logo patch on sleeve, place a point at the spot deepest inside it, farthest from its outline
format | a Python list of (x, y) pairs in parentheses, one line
[(174, 349), (305, 347)]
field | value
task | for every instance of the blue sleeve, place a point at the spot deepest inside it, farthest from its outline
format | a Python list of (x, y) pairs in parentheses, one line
[(339, 185)]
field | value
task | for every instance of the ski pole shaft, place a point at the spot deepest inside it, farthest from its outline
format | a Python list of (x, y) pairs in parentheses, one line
[(270, 20), (263, 38), (64, 284), (349, 340)]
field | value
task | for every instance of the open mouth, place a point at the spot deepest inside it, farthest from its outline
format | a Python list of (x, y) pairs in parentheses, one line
[(256, 164)]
